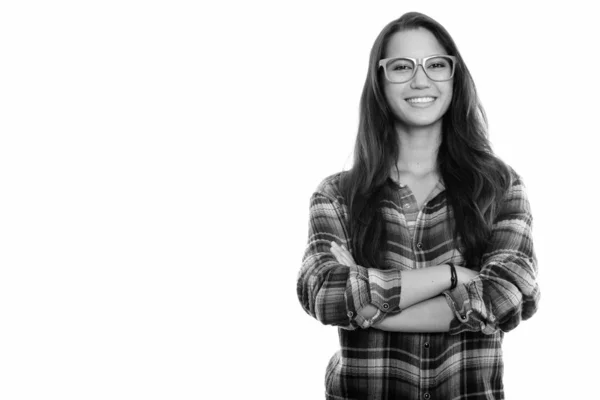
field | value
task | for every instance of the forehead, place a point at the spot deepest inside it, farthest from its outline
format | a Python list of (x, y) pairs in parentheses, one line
[(414, 43)]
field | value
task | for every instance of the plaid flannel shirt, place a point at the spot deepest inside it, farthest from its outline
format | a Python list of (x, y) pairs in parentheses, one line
[(466, 362)]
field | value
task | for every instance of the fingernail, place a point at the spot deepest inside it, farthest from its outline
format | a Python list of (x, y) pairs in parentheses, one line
[(333, 243)]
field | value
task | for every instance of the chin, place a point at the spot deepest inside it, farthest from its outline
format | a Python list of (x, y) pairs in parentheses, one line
[(419, 122)]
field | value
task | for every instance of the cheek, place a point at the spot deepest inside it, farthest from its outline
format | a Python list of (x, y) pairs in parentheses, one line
[(393, 95), (388, 93), (449, 91), (447, 96)]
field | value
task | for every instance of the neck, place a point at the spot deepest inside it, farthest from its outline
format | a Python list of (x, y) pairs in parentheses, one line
[(418, 148)]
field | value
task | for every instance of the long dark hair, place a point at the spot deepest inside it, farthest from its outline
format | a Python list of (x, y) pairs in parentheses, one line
[(474, 177)]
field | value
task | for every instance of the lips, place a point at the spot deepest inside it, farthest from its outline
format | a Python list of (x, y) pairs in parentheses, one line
[(417, 100)]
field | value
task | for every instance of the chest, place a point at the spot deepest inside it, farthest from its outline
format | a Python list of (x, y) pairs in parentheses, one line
[(418, 227)]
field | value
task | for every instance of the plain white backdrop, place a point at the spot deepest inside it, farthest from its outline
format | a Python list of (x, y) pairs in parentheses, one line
[(156, 162)]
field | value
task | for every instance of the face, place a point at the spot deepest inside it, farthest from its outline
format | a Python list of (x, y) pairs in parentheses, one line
[(419, 102)]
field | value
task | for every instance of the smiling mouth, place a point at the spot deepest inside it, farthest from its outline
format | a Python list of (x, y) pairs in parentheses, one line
[(420, 99)]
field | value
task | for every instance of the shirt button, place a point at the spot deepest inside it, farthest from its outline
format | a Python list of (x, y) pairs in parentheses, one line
[(407, 205), (350, 314), (386, 305), (426, 345), (419, 245), (426, 396)]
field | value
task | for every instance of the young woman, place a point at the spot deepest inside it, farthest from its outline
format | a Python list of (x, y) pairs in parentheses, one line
[(421, 253)]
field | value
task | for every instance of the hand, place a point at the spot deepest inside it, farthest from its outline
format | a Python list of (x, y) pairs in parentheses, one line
[(390, 323), (342, 255), (383, 325), (464, 275)]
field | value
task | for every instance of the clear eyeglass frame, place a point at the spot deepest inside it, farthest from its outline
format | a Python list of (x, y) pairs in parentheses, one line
[(417, 62)]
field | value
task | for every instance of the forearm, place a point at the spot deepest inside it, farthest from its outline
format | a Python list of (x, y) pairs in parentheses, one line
[(418, 285), (432, 315)]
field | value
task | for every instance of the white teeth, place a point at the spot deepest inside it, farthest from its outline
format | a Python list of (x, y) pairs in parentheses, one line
[(420, 99)]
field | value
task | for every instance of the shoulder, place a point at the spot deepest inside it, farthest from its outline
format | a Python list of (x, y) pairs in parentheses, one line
[(330, 187), (515, 178), (506, 178), (515, 182), (515, 197)]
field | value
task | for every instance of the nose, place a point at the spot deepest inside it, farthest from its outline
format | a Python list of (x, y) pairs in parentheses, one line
[(420, 80)]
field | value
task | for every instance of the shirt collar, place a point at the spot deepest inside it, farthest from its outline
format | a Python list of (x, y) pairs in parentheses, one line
[(439, 187)]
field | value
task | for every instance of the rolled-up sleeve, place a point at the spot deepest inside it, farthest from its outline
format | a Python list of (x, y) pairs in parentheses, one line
[(505, 291), (332, 292)]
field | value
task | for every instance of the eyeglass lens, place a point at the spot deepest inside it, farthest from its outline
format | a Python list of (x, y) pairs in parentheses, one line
[(402, 69)]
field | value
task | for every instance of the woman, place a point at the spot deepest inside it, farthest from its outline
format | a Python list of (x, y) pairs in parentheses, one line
[(421, 253)]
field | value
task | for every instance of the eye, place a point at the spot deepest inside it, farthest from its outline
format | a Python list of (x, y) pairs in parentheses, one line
[(438, 63), (400, 67)]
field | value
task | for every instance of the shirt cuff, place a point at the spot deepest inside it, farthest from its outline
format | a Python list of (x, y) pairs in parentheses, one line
[(380, 288), (365, 323), (467, 319)]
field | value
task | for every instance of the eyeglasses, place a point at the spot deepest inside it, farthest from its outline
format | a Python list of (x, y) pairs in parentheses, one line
[(438, 68)]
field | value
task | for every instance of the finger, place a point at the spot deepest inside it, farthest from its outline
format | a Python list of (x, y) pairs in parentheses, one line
[(347, 255), (346, 250), (336, 254), (343, 253), (342, 249), (348, 260), (339, 251), (344, 261), (340, 256)]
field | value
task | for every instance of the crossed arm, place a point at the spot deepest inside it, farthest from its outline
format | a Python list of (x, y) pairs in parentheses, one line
[(504, 291), (424, 310)]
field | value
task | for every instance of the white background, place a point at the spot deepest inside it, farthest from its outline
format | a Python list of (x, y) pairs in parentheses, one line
[(156, 162)]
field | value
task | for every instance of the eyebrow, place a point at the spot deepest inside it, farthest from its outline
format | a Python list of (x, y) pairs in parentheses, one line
[(417, 58)]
